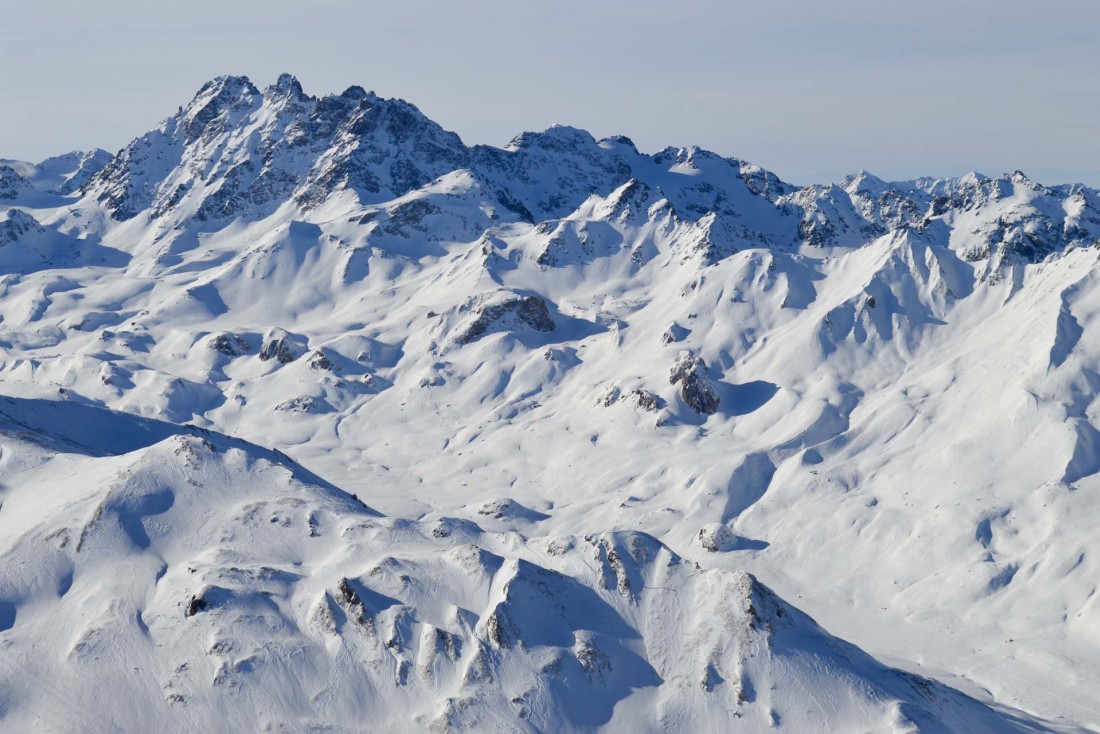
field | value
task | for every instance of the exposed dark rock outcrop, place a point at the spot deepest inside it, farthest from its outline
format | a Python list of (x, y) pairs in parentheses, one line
[(231, 345), (11, 183), (690, 372), (16, 225), (645, 400), (279, 348), (195, 605), (301, 404), (530, 311), (319, 360)]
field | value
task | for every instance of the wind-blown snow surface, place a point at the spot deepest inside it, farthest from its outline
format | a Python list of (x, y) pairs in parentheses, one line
[(567, 396)]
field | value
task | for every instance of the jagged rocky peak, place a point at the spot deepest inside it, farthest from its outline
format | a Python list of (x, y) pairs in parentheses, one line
[(1005, 219), (62, 174), (287, 85), (633, 201), (12, 184), (15, 224), (215, 98), (88, 165), (971, 181), (356, 93), (619, 143), (298, 148), (305, 149), (548, 174), (692, 160), (763, 182), (864, 183), (383, 149), (556, 138), (1019, 178)]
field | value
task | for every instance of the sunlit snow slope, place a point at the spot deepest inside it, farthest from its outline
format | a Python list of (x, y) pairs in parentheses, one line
[(569, 412)]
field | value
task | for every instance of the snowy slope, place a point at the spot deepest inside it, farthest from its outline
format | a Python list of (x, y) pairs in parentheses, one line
[(878, 398), (224, 588)]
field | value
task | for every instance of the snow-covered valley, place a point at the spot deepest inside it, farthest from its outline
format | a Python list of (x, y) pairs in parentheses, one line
[(316, 418)]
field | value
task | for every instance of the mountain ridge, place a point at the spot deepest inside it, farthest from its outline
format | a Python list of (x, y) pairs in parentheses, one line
[(877, 398), (340, 118)]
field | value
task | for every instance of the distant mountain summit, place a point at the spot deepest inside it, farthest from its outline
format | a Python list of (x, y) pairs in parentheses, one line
[(237, 151)]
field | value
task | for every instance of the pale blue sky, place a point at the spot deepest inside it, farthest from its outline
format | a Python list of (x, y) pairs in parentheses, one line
[(810, 90)]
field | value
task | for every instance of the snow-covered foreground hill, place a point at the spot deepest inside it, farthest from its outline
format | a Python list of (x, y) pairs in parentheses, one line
[(199, 583), (569, 411)]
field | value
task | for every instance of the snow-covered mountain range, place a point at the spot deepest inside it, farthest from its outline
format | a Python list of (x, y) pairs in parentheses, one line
[(317, 418)]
